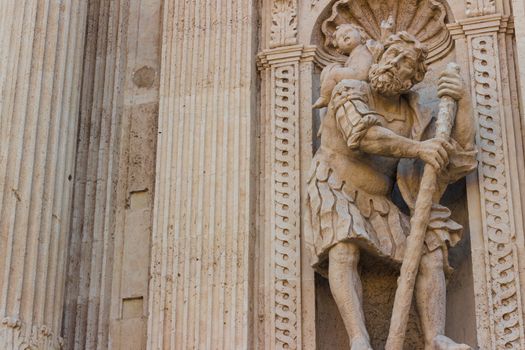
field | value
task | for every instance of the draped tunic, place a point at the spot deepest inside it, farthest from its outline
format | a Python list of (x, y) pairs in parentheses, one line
[(349, 191)]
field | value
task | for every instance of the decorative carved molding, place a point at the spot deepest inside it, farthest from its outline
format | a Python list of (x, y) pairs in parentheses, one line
[(286, 206), (503, 271), (502, 289), (475, 8), (284, 23), (280, 68)]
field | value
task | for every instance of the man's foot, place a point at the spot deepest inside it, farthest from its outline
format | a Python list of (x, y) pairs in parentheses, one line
[(443, 343), (360, 344)]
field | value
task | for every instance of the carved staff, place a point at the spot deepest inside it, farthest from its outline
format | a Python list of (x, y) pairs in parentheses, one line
[(418, 224)]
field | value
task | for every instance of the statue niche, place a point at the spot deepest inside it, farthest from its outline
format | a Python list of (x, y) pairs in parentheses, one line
[(425, 19), (376, 138)]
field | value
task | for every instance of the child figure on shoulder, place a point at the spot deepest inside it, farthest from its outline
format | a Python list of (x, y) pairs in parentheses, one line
[(351, 40)]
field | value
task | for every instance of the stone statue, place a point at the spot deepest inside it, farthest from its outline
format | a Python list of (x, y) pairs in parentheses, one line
[(375, 134)]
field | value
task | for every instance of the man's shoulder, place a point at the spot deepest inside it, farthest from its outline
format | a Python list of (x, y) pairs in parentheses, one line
[(355, 84)]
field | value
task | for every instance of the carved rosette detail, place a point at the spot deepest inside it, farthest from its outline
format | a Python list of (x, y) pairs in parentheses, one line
[(476, 8), (286, 208), (284, 23), (503, 277)]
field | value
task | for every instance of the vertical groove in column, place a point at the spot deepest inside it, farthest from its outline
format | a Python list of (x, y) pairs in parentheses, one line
[(74, 308), (203, 211), (39, 102), (42, 48), (200, 283), (204, 184), (100, 156), (188, 159), (213, 107), (163, 162)]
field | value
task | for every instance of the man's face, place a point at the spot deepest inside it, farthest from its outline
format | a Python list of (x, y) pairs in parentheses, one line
[(394, 73)]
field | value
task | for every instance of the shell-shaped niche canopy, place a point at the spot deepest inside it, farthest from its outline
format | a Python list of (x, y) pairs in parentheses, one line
[(426, 19)]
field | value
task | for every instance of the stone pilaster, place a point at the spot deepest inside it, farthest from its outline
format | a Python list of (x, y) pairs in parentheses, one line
[(283, 322), (518, 13), (495, 195), (42, 45), (203, 238), (283, 282)]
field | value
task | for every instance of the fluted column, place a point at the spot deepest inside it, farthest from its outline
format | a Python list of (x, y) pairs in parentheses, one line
[(41, 49), (202, 241)]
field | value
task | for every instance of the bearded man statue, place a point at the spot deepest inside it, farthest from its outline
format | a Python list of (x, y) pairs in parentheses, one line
[(376, 134)]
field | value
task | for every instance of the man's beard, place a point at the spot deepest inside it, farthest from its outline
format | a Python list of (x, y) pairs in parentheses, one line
[(384, 81)]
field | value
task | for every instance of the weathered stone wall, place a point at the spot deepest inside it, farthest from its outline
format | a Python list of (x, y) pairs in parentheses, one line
[(109, 252)]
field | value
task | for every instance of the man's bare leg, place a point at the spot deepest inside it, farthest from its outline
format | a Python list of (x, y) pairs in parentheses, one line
[(346, 288), (431, 300)]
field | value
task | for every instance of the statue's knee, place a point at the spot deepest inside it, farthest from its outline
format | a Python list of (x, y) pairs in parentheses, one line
[(345, 253)]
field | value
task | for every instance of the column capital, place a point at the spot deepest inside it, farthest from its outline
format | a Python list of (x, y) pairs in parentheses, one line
[(481, 25), (285, 54)]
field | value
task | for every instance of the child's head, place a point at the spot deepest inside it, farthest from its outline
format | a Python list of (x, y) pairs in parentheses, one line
[(347, 37)]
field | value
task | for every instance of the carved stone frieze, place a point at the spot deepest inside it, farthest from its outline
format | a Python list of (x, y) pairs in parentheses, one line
[(284, 23), (476, 8)]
